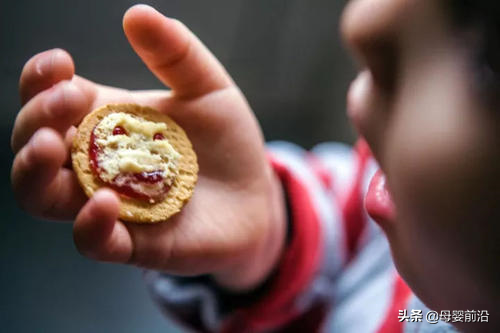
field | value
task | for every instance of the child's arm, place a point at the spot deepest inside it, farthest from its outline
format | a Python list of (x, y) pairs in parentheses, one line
[(233, 227), (334, 257)]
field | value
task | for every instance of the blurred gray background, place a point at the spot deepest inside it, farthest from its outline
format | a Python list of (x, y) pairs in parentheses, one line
[(284, 54)]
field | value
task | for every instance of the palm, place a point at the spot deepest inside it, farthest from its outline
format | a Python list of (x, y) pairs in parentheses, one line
[(225, 137)]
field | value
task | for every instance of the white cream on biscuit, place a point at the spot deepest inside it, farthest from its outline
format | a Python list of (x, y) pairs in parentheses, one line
[(136, 151)]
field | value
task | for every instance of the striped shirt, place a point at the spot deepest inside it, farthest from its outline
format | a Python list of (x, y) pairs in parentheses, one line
[(336, 275)]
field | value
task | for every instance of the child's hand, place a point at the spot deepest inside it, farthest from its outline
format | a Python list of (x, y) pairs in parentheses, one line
[(233, 226)]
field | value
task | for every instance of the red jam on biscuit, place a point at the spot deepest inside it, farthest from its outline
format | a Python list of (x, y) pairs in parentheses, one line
[(132, 156)]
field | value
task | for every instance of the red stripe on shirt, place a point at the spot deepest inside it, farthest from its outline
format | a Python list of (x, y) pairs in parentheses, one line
[(402, 293), (297, 267), (320, 171), (353, 208)]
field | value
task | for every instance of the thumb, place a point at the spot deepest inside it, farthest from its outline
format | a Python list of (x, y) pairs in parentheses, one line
[(173, 53), (97, 233)]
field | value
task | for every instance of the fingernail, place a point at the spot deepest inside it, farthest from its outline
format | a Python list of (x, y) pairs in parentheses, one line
[(44, 64), (98, 196), (63, 92), (147, 7), (70, 134), (56, 98), (143, 5), (34, 139), (102, 194), (34, 142)]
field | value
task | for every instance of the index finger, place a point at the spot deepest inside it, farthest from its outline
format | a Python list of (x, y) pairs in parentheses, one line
[(44, 70), (173, 53)]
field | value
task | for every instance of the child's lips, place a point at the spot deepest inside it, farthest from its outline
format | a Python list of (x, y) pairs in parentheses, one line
[(378, 200), (361, 102)]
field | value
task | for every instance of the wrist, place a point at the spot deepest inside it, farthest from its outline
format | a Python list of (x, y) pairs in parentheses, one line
[(255, 267)]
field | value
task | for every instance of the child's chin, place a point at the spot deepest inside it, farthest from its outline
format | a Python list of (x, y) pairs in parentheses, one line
[(378, 201)]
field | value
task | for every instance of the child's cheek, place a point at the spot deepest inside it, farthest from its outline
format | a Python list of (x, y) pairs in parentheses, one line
[(433, 164), (435, 143)]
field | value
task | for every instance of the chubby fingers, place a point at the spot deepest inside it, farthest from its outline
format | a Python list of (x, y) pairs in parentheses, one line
[(98, 234), (41, 186), (59, 107), (44, 70), (173, 53)]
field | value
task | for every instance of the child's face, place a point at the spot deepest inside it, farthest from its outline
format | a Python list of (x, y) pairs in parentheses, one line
[(419, 108)]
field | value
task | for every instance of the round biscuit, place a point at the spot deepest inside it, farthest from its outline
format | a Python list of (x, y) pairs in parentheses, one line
[(134, 210)]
